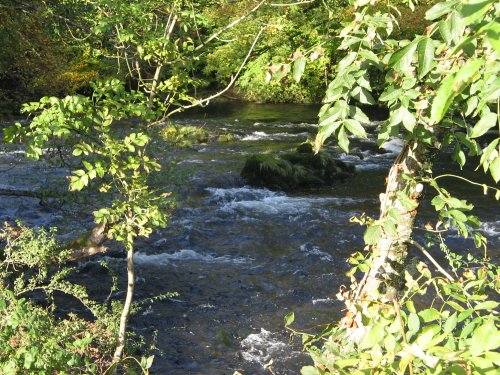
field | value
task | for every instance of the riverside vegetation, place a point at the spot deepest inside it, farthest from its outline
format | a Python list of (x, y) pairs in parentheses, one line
[(440, 87)]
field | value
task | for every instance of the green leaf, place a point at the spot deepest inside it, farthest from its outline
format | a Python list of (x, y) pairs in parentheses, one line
[(495, 169), (390, 93), (471, 105), (334, 113), (438, 202), (493, 356), (406, 117), (299, 66), (458, 215), (343, 140), (455, 305), (473, 10), (455, 27), (362, 95), (289, 318), (425, 56), (402, 59), (440, 9), (324, 132), (459, 155), (372, 234), (358, 114), (355, 128), (407, 203), (413, 322), (374, 337), (346, 61), (428, 315), (485, 338), (465, 314), (493, 34), (484, 124), (444, 30), (395, 214), (424, 339), (486, 305), (390, 228), (450, 323), (309, 370), (451, 87)]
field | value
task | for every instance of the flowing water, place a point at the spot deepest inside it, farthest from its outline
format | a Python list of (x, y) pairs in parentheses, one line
[(240, 258)]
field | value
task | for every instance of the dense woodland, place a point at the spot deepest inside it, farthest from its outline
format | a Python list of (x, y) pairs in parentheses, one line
[(78, 70), (47, 49)]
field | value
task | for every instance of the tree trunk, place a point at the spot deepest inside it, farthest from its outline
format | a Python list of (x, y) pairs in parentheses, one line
[(128, 303), (386, 275)]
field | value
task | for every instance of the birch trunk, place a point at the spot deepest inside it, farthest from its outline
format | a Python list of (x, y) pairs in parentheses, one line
[(389, 254), (128, 303)]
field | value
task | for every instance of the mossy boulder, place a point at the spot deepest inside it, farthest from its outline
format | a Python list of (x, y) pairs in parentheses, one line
[(295, 171), (184, 136)]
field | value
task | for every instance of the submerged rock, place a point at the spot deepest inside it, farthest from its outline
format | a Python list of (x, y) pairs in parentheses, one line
[(294, 171)]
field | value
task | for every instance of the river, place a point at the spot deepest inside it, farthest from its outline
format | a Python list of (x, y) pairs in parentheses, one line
[(240, 258)]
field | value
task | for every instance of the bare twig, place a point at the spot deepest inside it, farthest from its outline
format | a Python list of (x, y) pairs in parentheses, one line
[(429, 256), (232, 24), (290, 4), (205, 101)]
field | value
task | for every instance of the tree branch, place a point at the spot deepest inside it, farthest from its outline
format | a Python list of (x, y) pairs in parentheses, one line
[(205, 101), (429, 256), (232, 24)]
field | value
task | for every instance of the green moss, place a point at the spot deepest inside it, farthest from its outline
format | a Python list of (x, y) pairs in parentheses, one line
[(184, 136), (225, 138), (292, 171)]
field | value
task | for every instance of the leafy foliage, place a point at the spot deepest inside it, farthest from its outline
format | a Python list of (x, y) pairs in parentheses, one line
[(441, 90), (446, 336), (32, 339)]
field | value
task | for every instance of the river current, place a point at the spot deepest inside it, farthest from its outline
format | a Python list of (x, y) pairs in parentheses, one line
[(240, 258)]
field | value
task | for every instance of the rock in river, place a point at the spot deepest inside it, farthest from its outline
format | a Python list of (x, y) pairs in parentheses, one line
[(294, 171)]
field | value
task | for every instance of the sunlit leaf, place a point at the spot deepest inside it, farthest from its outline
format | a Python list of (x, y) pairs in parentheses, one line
[(452, 86), (484, 124), (299, 66), (472, 10), (355, 128), (289, 318), (402, 59), (425, 56), (440, 9)]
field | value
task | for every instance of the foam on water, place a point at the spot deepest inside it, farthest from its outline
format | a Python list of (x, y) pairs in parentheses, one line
[(185, 255), (491, 228), (269, 202), (13, 152), (255, 136), (311, 250), (270, 205), (222, 196), (393, 145), (261, 347), (320, 301), (259, 135)]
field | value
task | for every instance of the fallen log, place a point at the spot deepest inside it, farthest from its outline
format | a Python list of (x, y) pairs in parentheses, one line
[(21, 193), (89, 244)]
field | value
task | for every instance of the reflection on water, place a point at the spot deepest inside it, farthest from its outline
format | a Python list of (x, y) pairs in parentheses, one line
[(240, 258)]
